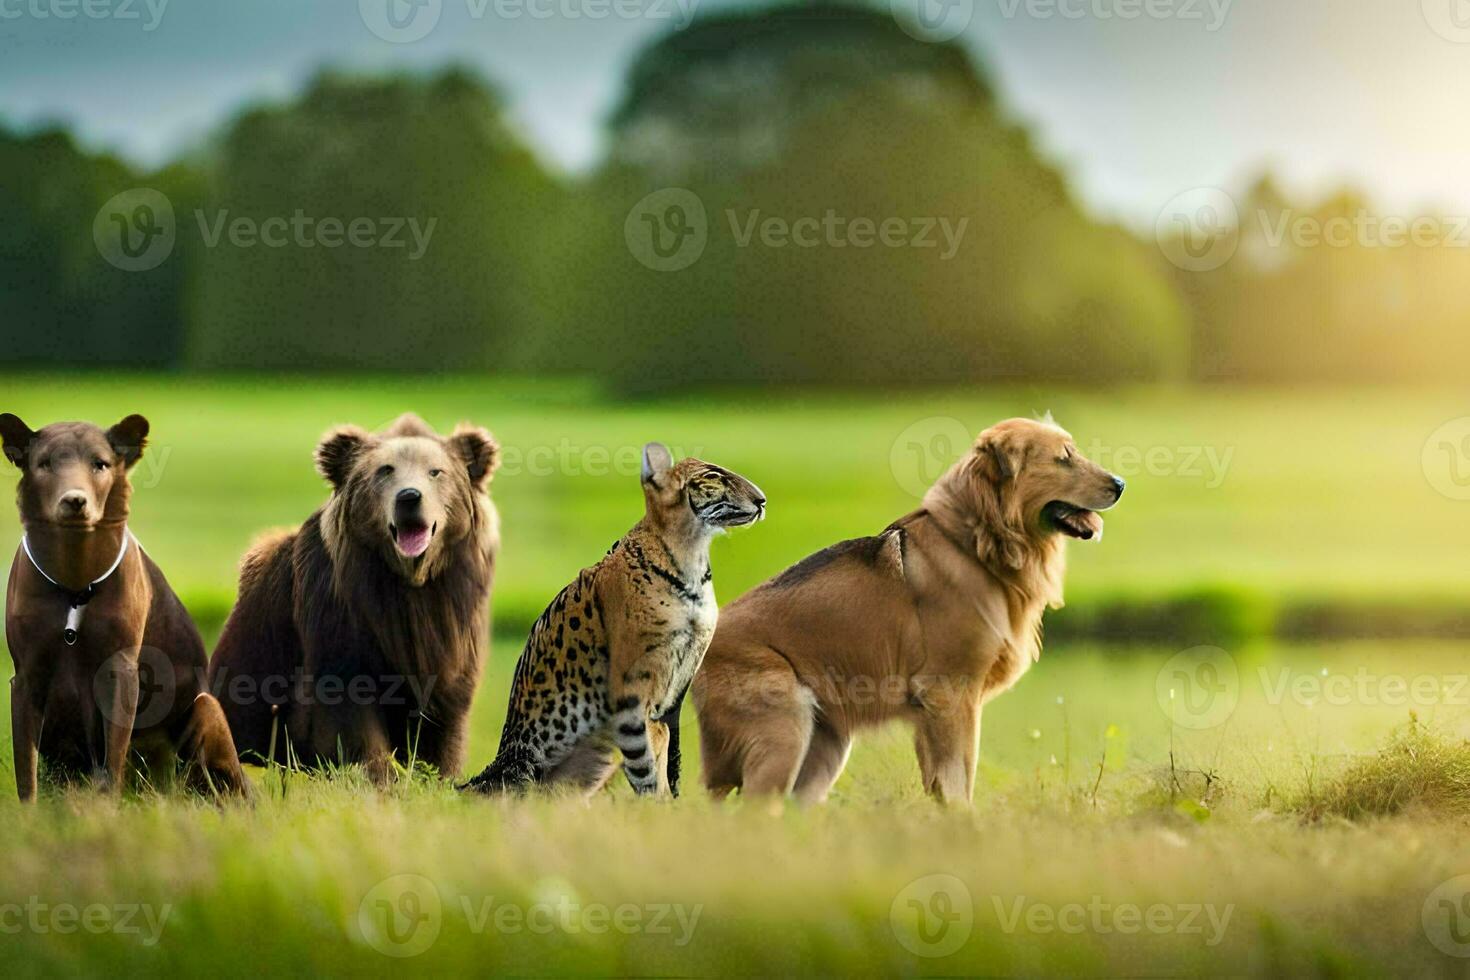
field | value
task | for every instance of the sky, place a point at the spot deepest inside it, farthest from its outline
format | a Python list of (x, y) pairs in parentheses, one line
[(1136, 100)]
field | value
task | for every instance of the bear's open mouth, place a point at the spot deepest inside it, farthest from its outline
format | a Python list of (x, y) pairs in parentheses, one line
[(412, 538), (1073, 521)]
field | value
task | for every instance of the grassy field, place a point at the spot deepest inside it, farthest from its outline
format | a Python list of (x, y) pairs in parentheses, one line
[(1142, 808), (1283, 492)]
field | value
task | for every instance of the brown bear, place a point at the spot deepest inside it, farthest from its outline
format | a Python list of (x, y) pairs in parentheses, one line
[(359, 637)]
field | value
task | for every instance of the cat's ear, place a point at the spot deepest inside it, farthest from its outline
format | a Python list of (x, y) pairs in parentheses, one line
[(657, 461)]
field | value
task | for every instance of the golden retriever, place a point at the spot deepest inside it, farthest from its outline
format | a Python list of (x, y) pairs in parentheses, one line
[(924, 622)]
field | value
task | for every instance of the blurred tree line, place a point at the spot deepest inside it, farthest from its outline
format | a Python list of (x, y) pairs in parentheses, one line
[(401, 223)]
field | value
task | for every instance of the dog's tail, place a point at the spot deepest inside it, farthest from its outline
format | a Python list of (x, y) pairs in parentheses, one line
[(514, 768)]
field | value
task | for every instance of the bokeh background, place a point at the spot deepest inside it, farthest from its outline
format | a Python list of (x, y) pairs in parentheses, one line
[(1073, 143), (1225, 243)]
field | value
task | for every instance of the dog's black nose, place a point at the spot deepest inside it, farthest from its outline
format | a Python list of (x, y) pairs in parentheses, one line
[(408, 497), (1118, 485), (760, 502), (74, 503)]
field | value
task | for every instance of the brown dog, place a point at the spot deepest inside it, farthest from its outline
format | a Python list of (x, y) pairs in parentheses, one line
[(360, 636), (105, 656), (924, 622)]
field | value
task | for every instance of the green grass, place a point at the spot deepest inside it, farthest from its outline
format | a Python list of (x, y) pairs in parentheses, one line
[(280, 886), (1324, 493), (1098, 791)]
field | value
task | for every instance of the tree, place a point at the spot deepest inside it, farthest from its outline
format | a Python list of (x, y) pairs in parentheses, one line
[(800, 113), (449, 206)]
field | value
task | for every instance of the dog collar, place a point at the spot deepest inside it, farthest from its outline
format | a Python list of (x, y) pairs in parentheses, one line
[(79, 600)]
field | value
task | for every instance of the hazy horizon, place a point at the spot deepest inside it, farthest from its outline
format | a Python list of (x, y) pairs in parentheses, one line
[(1134, 111)]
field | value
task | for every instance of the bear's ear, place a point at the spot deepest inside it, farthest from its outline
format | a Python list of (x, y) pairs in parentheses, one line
[(478, 449), (338, 452), (657, 461), (128, 438), (18, 437)]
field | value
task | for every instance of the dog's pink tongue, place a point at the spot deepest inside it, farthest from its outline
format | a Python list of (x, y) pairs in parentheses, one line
[(1089, 520), (413, 541)]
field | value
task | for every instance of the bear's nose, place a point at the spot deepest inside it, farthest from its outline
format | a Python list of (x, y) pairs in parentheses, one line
[(408, 496)]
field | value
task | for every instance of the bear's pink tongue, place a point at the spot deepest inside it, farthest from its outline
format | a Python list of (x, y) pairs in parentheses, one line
[(413, 541)]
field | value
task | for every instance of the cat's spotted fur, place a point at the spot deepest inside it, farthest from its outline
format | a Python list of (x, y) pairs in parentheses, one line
[(617, 648)]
